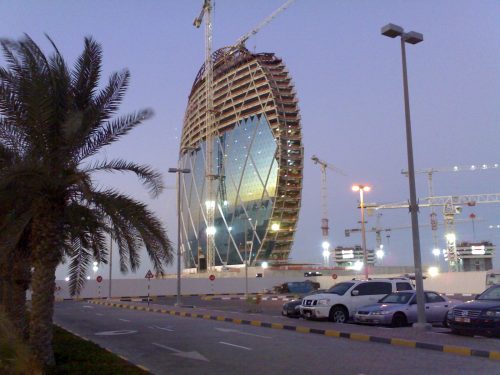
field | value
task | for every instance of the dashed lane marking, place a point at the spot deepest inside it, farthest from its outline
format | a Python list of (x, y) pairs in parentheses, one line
[(125, 320), (234, 345)]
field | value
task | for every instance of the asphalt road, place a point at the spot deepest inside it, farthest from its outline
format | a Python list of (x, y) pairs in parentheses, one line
[(176, 345)]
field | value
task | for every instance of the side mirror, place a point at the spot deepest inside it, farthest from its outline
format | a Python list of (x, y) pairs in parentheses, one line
[(355, 292), (475, 296)]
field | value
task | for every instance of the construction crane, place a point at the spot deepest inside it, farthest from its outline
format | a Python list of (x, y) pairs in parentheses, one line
[(457, 168), (451, 206), (210, 120), (324, 203), (210, 129), (378, 229), (242, 40)]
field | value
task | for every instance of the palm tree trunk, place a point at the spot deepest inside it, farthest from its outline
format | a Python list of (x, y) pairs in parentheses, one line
[(5, 282), (46, 255), (21, 276), (42, 308)]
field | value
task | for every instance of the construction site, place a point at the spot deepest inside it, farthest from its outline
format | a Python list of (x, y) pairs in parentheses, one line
[(240, 198)]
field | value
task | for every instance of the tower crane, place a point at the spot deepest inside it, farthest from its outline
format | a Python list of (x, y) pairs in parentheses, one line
[(457, 168), (210, 129), (324, 202), (210, 120), (241, 41), (451, 206)]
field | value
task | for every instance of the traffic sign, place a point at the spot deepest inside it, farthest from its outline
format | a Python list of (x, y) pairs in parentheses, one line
[(211, 277), (149, 275), (99, 279), (334, 276)]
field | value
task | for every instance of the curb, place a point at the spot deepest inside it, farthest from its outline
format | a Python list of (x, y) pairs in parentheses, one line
[(459, 350), (282, 298)]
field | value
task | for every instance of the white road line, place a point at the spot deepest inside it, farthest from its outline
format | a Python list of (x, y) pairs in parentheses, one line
[(88, 307), (99, 314), (124, 320), (236, 346), (162, 328)]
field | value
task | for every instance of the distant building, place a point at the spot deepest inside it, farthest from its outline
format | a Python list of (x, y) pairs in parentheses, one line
[(348, 256), (476, 256), (257, 159)]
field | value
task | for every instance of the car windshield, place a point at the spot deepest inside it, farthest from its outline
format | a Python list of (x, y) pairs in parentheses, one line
[(400, 298), (492, 293), (340, 288)]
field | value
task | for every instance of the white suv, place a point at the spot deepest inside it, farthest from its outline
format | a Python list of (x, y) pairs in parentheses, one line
[(340, 302)]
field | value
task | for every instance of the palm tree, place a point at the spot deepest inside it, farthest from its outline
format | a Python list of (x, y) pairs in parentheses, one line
[(58, 120)]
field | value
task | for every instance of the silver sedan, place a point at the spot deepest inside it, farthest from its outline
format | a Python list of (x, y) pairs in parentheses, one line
[(400, 308)]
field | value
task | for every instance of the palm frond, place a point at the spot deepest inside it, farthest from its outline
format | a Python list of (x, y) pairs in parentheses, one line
[(85, 76), (150, 178), (111, 132)]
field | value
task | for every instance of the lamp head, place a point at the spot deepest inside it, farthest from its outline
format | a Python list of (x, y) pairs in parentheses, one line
[(413, 37), (392, 30)]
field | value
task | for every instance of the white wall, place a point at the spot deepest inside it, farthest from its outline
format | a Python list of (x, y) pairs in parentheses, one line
[(456, 282)]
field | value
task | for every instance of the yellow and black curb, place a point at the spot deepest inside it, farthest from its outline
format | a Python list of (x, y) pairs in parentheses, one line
[(460, 350)]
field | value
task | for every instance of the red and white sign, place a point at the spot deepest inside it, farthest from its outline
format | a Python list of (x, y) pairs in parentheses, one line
[(99, 279), (149, 275), (334, 276), (211, 277)]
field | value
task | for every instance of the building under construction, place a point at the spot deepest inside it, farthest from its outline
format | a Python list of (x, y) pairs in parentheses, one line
[(257, 161)]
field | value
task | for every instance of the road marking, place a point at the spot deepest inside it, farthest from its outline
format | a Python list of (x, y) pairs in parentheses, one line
[(88, 307), (241, 332), (125, 320), (236, 346), (114, 333), (99, 314), (190, 355), (162, 328)]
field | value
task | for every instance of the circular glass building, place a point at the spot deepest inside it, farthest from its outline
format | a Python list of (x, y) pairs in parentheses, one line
[(257, 161)]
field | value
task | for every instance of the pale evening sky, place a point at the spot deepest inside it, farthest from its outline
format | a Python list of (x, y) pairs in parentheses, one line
[(348, 80)]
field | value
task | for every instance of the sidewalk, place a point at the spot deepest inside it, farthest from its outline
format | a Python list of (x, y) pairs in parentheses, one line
[(436, 339)]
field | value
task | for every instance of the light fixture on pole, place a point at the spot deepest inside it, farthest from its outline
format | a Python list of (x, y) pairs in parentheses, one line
[(179, 171), (392, 31), (362, 189)]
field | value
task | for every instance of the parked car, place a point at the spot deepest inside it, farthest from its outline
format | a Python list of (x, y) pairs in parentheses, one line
[(480, 316), (400, 309), (291, 308), (297, 287), (312, 273), (339, 303)]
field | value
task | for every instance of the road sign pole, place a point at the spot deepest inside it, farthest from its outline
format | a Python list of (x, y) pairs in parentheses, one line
[(149, 284)]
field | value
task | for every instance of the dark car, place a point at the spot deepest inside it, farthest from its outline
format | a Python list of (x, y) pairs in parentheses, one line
[(480, 316), (291, 308)]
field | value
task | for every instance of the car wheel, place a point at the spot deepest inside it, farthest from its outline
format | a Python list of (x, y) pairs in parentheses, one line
[(399, 320), (445, 322), (338, 314)]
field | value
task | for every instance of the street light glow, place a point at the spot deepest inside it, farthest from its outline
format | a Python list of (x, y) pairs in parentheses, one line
[(436, 252), (275, 227), (450, 237), (380, 254), (433, 271), (264, 265), (326, 253), (325, 245), (211, 231)]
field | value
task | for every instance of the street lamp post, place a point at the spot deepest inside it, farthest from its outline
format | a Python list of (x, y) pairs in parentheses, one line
[(411, 37), (362, 189), (179, 171)]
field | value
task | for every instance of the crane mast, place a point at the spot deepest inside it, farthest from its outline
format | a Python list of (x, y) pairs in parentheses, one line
[(324, 203), (210, 130)]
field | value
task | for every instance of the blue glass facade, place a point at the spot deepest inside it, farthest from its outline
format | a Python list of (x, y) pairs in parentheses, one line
[(247, 171)]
